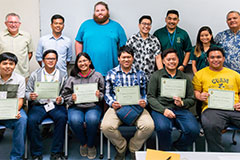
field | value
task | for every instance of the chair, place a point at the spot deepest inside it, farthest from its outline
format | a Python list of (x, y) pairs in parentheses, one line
[(229, 128), (49, 121), (25, 154), (234, 129), (130, 129), (176, 141)]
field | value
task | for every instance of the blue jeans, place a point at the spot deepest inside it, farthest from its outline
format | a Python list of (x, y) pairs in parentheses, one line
[(77, 117), (35, 116), (19, 134), (184, 120)]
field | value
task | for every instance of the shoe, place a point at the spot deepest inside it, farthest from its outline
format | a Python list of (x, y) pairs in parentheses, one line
[(57, 156), (92, 152), (133, 156), (37, 157), (83, 151), (120, 156)]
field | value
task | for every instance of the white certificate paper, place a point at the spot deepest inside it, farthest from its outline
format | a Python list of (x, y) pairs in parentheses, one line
[(127, 95), (221, 99), (8, 108), (85, 93), (47, 90), (173, 87)]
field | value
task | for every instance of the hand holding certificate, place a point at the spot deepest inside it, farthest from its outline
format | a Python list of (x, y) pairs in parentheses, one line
[(128, 95), (221, 99), (47, 90), (8, 108), (85, 93), (173, 87)]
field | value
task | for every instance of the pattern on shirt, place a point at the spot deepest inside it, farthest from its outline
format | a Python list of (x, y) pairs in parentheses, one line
[(231, 44), (144, 52)]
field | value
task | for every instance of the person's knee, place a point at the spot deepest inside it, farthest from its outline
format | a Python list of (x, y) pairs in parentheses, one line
[(107, 127)]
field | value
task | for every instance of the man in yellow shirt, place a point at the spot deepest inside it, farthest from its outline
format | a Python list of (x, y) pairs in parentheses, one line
[(217, 77)]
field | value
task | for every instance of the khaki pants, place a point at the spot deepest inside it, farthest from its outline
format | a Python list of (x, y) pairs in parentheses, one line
[(111, 122)]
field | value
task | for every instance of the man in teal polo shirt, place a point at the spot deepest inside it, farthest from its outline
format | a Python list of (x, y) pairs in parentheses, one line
[(172, 36)]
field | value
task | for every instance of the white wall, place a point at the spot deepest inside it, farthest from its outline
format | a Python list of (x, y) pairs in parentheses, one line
[(29, 13), (36, 14)]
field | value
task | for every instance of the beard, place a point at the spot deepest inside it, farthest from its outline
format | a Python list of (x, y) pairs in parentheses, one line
[(101, 20)]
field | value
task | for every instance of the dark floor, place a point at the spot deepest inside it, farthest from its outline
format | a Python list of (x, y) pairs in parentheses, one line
[(73, 149)]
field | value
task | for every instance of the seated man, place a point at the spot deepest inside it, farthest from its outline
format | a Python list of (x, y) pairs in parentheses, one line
[(41, 108), (217, 77), (168, 112), (125, 75), (8, 62)]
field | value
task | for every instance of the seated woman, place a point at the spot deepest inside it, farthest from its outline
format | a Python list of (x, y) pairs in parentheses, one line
[(169, 110), (78, 113)]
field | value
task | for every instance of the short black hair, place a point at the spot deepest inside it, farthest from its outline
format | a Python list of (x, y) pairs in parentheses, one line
[(8, 56), (145, 17), (50, 51), (167, 51), (125, 49), (172, 11), (215, 48), (57, 16)]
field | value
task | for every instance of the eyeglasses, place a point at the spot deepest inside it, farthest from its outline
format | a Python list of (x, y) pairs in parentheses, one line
[(146, 24), (50, 59), (11, 22)]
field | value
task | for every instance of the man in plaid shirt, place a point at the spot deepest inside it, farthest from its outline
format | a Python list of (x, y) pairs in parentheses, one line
[(125, 75)]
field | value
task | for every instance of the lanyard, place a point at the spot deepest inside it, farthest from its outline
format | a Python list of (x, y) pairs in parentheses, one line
[(45, 75), (173, 37)]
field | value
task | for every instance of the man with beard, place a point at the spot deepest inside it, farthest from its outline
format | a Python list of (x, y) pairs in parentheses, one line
[(172, 36), (101, 37)]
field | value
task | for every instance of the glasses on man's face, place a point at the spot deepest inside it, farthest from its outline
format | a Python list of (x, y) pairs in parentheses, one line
[(146, 24), (50, 59), (13, 22)]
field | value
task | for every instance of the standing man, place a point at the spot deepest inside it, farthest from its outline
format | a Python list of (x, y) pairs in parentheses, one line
[(168, 112), (171, 36), (56, 41), (101, 37), (229, 40), (125, 75), (16, 85), (217, 77), (41, 108), (18, 42), (146, 48)]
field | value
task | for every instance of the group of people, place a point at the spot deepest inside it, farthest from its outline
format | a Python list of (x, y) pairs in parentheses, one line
[(105, 56)]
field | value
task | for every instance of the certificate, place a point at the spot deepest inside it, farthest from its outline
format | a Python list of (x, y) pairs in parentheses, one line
[(128, 95), (47, 90), (221, 99), (85, 93), (8, 108), (173, 87)]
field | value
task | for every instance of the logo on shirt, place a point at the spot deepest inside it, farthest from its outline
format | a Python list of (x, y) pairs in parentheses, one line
[(221, 82), (178, 40)]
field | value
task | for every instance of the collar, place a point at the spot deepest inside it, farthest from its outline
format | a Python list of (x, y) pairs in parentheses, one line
[(6, 32), (132, 70), (52, 37), (167, 75), (51, 74), (11, 78), (138, 35), (177, 29)]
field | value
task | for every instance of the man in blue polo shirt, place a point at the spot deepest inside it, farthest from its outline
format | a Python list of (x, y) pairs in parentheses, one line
[(101, 37)]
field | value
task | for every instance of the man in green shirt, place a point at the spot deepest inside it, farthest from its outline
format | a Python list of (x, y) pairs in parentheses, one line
[(171, 36)]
